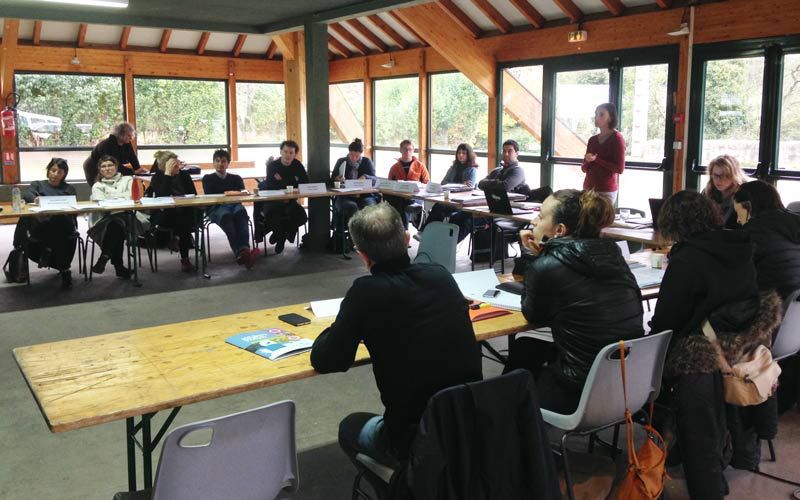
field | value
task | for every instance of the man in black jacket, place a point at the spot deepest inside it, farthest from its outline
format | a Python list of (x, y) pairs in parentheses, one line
[(415, 323), (117, 145), (508, 174)]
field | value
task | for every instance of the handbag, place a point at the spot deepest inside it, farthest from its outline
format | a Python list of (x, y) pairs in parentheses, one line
[(752, 380), (644, 479), (15, 268)]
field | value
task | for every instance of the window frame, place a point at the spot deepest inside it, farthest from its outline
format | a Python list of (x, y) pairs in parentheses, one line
[(252, 145), (375, 145), (364, 90)]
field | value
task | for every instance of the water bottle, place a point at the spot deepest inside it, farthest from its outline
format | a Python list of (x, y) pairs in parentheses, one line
[(16, 199)]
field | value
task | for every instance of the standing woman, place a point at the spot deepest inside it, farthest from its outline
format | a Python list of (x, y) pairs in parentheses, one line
[(725, 177), (51, 238), (170, 180), (464, 170), (605, 154), (110, 229)]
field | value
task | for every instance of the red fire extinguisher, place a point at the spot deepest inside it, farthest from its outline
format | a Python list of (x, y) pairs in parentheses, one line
[(9, 124)]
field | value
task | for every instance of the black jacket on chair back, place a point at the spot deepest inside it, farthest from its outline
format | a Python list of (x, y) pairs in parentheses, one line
[(776, 240), (584, 290)]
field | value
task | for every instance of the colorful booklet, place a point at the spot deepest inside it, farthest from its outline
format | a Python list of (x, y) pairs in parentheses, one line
[(271, 343)]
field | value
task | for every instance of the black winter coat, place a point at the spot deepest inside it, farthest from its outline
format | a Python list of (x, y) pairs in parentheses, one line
[(586, 293), (776, 239), (484, 441), (170, 185)]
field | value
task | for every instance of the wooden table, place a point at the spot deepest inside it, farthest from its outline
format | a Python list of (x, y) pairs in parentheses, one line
[(83, 382)]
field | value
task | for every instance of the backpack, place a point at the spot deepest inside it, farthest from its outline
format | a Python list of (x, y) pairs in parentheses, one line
[(16, 267)]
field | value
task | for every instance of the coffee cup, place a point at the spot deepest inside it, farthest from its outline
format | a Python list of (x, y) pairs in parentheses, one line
[(289, 189)]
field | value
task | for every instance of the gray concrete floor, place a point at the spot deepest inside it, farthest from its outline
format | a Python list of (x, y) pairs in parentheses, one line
[(89, 464)]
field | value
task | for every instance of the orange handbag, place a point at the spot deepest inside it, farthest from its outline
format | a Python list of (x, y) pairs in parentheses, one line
[(644, 479)]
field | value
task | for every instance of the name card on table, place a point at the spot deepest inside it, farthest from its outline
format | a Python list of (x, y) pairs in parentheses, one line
[(387, 184), (312, 188), (407, 187), (57, 202), (358, 183), (434, 188), (163, 200), (271, 193)]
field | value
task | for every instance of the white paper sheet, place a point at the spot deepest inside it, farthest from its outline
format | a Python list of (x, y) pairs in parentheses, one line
[(121, 202), (474, 284), (346, 189), (164, 200), (267, 193), (326, 308), (646, 276)]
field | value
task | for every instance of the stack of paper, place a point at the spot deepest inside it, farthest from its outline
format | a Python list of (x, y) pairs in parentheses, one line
[(474, 284)]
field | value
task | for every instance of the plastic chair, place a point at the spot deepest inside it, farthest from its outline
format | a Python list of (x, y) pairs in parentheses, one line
[(794, 207), (787, 341), (438, 245), (250, 454), (207, 223), (601, 405)]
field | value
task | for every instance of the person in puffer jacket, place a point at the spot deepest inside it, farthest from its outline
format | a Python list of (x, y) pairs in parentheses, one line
[(581, 287)]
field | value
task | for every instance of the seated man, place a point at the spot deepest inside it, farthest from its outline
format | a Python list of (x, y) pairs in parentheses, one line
[(232, 218), (407, 168), (353, 166), (414, 355)]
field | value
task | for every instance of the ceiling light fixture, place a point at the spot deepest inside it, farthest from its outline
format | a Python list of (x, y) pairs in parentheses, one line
[(75, 61), (115, 4), (683, 29), (388, 64)]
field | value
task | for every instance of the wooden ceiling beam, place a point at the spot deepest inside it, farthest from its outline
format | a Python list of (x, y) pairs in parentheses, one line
[(82, 34), (162, 47), (462, 20), (529, 12), (664, 4), (382, 25), (338, 46), (237, 47), (569, 9), (614, 6), (494, 15), (201, 44), (287, 44), (368, 34), (123, 38), (459, 47), (272, 49), (350, 38), (407, 27), (37, 32)]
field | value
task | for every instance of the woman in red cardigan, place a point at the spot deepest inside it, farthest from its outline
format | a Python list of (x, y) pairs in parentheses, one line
[(605, 154)]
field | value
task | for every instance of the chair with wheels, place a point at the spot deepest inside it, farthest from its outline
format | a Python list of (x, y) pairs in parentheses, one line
[(250, 454), (602, 404)]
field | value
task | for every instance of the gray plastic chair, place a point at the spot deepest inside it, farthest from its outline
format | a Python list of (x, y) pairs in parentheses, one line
[(438, 245), (794, 207), (602, 404), (787, 341), (250, 455)]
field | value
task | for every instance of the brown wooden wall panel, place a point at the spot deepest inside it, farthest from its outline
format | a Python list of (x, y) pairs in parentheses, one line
[(743, 19)]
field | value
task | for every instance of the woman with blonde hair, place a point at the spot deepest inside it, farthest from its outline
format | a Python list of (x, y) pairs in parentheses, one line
[(725, 177), (580, 286), (170, 180)]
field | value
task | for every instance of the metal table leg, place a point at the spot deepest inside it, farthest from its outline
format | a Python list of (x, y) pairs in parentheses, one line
[(147, 445), (133, 241)]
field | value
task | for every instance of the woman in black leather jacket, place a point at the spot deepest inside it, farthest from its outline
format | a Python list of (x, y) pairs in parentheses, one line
[(581, 287)]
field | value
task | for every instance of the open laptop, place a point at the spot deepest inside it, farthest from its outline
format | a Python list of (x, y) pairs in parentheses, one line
[(498, 203), (655, 210)]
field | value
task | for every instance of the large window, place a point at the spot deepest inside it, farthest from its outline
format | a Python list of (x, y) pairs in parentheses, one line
[(64, 116), (522, 108), (577, 95), (789, 139), (459, 114), (643, 112), (261, 120), (181, 113), (396, 111), (347, 112)]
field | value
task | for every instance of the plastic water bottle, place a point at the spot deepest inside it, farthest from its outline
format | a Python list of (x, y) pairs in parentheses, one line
[(16, 199)]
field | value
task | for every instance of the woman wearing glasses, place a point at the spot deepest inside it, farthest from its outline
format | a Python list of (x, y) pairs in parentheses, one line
[(726, 177)]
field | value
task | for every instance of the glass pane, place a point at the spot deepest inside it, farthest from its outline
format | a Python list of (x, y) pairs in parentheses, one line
[(789, 191), (522, 108), (199, 155), (396, 111), (533, 173), (259, 155), (567, 177), (789, 145), (347, 112), (732, 109), (260, 112), (180, 112), (33, 164), (578, 93), (67, 110), (459, 112), (441, 162), (336, 153), (643, 112), (638, 186)]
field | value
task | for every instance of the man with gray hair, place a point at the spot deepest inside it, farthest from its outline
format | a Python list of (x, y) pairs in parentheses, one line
[(415, 323), (117, 145)]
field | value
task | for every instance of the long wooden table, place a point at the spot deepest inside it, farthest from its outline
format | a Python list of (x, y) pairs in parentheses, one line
[(133, 374)]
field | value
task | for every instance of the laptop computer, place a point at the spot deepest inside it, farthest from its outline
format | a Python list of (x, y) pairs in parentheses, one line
[(498, 203), (655, 209)]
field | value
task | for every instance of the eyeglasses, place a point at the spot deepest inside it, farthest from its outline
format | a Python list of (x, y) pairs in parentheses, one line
[(719, 177)]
